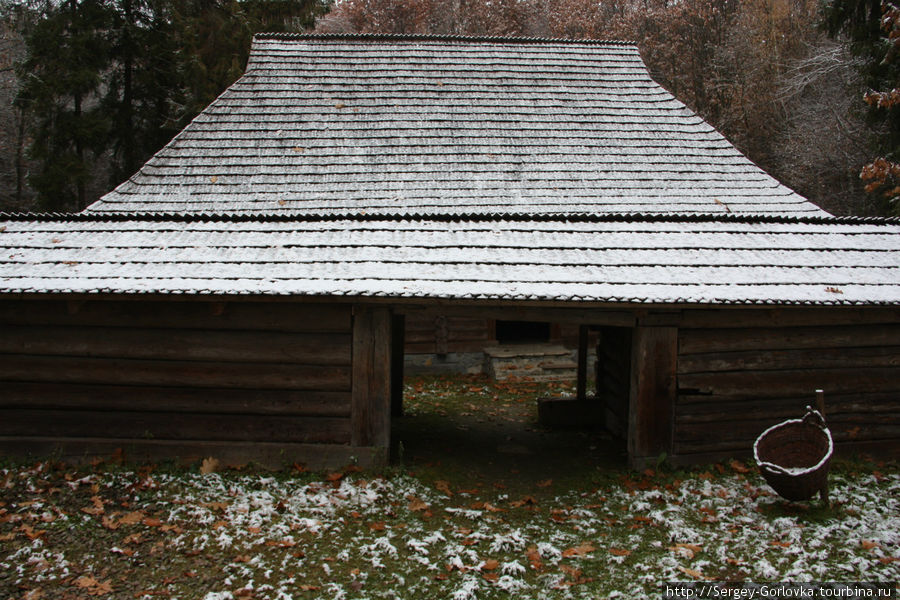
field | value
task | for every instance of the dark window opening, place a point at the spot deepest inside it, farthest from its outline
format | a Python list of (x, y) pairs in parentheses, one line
[(522, 332)]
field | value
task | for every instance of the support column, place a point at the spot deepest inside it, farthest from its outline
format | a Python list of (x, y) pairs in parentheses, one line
[(370, 412), (398, 341), (651, 412), (581, 375)]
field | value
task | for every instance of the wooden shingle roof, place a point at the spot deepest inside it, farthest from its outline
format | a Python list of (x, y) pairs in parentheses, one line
[(611, 259), (335, 124)]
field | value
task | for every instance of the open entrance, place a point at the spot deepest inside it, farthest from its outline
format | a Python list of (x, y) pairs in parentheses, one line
[(522, 332), (472, 423)]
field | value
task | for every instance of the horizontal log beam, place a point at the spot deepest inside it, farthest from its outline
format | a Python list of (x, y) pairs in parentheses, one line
[(802, 383), (269, 316), (173, 426), (178, 344), (173, 373), (698, 341), (265, 454), (768, 360), (75, 396)]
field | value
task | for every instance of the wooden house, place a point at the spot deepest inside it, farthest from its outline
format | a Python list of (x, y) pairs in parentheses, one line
[(245, 294)]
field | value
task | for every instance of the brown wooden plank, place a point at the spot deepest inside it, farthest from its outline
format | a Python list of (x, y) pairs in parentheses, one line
[(700, 455), (278, 455), (818, 358), (178, 344), (697, 341), (651, 414), (581, 375), (723, 408), (199, 400), (15, 367), (745, 430), (595, 316), (173, 426), (270, 316), (749, 385), (371, 379), (787, 316), (398, 324)]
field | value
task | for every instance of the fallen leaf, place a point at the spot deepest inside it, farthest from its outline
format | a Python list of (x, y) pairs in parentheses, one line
[(416, 504), (525, 501), (96, 507), (336, 476), (579, 550), (340, 105), (619, 552), (209, 465), (152, 522), (443, 486), (490, 564), (110, 523), (285, 543), (132, 518), (693, 573), (36, 593), (491, 577), (213, 179), (738, 466), (92, 586), (534, 557), (377, 526), (545, 483), (868, 544)]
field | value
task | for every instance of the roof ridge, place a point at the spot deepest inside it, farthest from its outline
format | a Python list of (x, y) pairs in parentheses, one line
[(97, 216), (429, 37)]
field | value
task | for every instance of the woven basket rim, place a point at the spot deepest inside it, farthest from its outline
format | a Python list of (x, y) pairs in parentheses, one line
[(793, 473)]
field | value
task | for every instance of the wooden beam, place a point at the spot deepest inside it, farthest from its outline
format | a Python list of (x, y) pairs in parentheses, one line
[(581, 377), (370, 412), (654, 356), (598, 316), (398, 343)]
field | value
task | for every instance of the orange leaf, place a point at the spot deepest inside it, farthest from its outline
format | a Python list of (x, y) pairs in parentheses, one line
[(693, 573), (93, 587), (579, 550), (619, 552), (151, 522), (416, 504), (490, 564), (378, 526), (96, 508), (738, 466), (534, 557), (209, 465), (491, 577), (337, 476), (868, 544), (443, 486)]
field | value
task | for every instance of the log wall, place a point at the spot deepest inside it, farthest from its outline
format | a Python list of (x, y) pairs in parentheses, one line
[(740, 372), (443, 334), (178, 379)]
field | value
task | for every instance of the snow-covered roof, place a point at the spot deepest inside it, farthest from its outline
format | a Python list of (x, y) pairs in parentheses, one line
[(328, 124), (633, 259)]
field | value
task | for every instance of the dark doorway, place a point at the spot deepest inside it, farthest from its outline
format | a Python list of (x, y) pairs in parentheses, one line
[(522, 332)]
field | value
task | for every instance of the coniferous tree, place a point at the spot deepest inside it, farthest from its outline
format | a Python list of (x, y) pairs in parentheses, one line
[(61, 78)]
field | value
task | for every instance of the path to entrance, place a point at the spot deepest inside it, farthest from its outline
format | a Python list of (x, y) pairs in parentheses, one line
[(485, 432)]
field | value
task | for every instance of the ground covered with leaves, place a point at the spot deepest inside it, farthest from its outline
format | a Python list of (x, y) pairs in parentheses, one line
[(435, 525)]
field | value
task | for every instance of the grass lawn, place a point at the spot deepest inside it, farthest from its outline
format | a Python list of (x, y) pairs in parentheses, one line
[(480, 503)]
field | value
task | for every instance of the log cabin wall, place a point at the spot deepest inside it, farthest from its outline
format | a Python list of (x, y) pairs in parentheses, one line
[(740, 372), (265, 381)]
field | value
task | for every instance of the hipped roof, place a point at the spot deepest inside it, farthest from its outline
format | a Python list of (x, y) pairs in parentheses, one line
[(334, 124), (449, 168)]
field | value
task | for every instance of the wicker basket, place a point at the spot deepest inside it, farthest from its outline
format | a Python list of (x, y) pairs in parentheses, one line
[(794, 456)]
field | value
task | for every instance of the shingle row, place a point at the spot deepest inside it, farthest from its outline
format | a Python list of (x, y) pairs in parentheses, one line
[(449, 125), (659, 262)]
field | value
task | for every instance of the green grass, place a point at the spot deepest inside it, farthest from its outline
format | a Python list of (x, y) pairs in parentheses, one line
[(473, 510)]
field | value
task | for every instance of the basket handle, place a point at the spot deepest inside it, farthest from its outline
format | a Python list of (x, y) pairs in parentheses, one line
[(814, 417)]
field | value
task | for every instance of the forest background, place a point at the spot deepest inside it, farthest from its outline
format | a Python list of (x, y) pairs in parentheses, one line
[(808, 89)]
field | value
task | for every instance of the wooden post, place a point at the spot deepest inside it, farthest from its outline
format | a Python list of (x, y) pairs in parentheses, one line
[(370, 411), (398, 339), (581, 376), (651, 412)]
